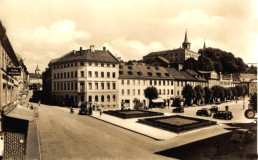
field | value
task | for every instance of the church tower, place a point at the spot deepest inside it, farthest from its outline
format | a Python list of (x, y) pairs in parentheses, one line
[(204, 45), (186, 44), (37, 69)]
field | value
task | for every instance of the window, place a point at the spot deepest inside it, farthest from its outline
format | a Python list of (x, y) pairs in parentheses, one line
[(75, 64), (108, 74), (108, 65), (108, 98), (68, 86), (114, 98), (114, 74), (182, 83), (68, 74), (96, 98), (96, 86), (90, 99), (123, 92), (102, 98), (64, 75), (82, 98), (164, 91), (54, 86), (102, 74), (90, 63), (114, 85), (102, 86), (64, 86), (82, 73), (171, 83), (177, 92), (159, 91), (90, 85), (139, 82), (71, 74), (54, 76), (96, 74), (96, 64), (75, 74), (159, 82), (89, 74), (168, 92), (128, 82), (133, 91), (164, 82), (71, 64), (133, 82), (114, 65), (122, 82), (150, 82), (72, 86), (177, 83), (75, 86), (108, 85), (102, 64), (57, 75), (172, 92), (61, 75), (128, 91), (155, 82), (82, 63), (120, 72), (139, 91)]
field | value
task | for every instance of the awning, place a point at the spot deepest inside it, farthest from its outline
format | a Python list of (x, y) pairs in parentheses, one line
[(159, 100), (21, 113)]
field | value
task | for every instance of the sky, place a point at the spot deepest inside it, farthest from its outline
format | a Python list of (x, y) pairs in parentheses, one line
[(42, 30)]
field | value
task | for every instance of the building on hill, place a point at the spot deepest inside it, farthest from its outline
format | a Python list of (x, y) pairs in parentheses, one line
[(173, 57), (85, 76), (35, 80), (134, 78)]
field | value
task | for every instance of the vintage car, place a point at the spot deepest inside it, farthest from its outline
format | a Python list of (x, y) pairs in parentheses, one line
[(223, 115), (204, 112), (178, 110), (214, 109)]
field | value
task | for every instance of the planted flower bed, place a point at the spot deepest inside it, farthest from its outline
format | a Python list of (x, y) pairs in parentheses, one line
[(177, 123), (132, 113)]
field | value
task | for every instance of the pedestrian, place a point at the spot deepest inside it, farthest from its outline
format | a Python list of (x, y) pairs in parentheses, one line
[(100, 112), (90, 110), (39, 102)]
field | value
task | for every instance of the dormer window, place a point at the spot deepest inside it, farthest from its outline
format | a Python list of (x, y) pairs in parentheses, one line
[(158, 74), (157, 68), (130, 67), (121, 72), (166, 74), (130, 72), (148, 67), (149, 74), (121, 67)]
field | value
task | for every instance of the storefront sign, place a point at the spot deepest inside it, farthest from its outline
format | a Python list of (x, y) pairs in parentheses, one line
[(14, 71)]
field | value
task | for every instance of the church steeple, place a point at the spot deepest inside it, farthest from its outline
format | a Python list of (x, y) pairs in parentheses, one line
[(37, 69), (204, 45), (186, 44)]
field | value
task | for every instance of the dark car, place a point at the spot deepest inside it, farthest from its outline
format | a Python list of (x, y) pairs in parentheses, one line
[(223, 114), (214, 109), (178, 110), (204, 112)]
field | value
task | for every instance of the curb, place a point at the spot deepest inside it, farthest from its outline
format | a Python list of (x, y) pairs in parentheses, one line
[(128, 129)]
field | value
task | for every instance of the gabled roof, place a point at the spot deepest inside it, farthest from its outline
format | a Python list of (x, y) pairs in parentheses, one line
[(142, 71), (89, 56), (160, 53), (163, 59), (180, 75), (247, 76), (196, 75)]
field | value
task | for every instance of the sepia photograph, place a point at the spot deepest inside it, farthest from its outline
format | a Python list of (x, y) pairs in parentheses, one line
[(128, 80)]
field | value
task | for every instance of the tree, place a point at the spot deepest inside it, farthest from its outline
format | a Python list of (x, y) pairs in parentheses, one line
[(221, 93), (205, 63), (189, 94), (151, 93), (190, 63), (240, 90), (234, 92), (208, 94), (215, 90), (228, 93), (136, 102), (199, 91)]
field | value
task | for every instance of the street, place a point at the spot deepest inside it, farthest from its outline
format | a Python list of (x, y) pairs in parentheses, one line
[(70, 136)]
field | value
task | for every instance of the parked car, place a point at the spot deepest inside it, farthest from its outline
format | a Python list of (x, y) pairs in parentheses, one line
[(223, 114), (203, 112), (214, 109), (178, 110), (219, 102)]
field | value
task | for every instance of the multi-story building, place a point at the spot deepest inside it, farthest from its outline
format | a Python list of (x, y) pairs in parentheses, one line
[(250, 80), (170, 57), (35, 80), (85, 76), (212, 77), (226, 80), (134, 78)]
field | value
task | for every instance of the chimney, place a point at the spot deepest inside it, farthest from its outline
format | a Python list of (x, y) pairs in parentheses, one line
[(104, 48), (80, 50), (92, 48)]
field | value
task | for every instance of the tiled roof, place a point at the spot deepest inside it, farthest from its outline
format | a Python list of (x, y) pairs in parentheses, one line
[(163, 59), (247, 76), (142, 71), (196, 75), (180, 75), (87, 55), (159, 53)]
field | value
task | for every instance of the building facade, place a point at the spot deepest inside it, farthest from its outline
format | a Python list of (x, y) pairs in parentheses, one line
[(85, 76)]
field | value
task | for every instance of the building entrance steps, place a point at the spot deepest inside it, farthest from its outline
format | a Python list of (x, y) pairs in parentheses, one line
[(160, 134)]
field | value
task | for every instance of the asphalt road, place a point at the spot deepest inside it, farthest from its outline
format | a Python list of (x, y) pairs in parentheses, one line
[(70, 136)]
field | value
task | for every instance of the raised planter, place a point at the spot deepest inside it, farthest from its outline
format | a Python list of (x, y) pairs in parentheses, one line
[(177, 123), (132, 113)]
